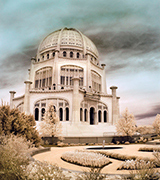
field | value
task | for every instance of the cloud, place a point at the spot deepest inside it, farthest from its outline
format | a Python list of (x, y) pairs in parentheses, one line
[(107, 41), (151, 113), (14, 68)]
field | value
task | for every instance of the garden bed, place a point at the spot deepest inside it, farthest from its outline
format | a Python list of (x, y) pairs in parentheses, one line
[(86, 159)]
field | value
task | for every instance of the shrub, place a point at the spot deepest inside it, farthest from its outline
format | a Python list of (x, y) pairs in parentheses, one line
[(85, 158), (126, 143), (37, 170), (13, 157), (12, 121), (144, 171), (93, 174)]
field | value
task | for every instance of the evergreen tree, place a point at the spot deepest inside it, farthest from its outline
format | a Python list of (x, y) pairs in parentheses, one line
[(12, 121)]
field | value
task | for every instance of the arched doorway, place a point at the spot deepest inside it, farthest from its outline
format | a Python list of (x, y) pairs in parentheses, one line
[(36, 114), (92, 116)]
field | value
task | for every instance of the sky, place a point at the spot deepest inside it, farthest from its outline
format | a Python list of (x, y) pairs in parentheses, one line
[(126, 34)]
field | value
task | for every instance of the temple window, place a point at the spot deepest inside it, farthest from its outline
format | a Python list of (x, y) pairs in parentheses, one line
[(64, 54), (43, 77), (71, 54), (77, 54)]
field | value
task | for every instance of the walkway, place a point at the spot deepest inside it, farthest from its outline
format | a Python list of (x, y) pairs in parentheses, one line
[(54, 156)]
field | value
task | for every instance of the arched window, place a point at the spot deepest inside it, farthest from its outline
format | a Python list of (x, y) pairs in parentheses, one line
[(99, 116), (43, 77), (85, 115), (53, 54), (71, 54), (67, 114), (64, 54), (80, 114), (36, 114), (77, 54), (47, 56), (61, 114), (105, 116), (42, 112)]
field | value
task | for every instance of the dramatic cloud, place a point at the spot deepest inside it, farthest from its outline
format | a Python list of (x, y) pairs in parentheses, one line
[(127, 40), (151, 113), (14, 68)]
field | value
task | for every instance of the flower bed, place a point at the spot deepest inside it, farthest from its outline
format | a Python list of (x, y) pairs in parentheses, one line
[(85, 158), (117, 156), (136, 164), (149, 149)]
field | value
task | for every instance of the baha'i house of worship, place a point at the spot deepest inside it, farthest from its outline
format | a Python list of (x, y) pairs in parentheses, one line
[(67, 74)]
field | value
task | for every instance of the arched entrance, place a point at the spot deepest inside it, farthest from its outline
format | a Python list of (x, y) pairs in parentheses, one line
[(92, 116)]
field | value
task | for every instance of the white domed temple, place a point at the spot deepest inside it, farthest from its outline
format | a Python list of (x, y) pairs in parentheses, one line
[(66, 73)]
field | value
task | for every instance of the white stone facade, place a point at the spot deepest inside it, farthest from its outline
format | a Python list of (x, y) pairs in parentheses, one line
[(67, 74)]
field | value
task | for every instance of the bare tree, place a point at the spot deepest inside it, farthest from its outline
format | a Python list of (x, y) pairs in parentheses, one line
[(126, 125), (156, 124), (50, 126)]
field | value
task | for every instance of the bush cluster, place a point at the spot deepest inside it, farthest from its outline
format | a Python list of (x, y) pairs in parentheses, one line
[(85, 158)]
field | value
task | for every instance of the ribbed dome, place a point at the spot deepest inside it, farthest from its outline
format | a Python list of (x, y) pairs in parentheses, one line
[(68, 37)]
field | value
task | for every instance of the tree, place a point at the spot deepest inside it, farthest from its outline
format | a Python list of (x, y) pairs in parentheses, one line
[(12, 121), (50, 126), (156, 124), (126, 125)]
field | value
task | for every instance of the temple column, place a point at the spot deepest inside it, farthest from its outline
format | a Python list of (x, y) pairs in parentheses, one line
[(75, 101), (103, 87), (115, 114), (11, 98), (27, 97)]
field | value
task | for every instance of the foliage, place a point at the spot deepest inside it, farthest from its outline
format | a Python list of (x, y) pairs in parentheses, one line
[(126, 125), (121, 157), (50, 126), (135, 164), (149, 149), (93, 174), (145, 129), (144, 171), (17, 123), (13, 157), (85, 158), (156, 124), (37, 170)]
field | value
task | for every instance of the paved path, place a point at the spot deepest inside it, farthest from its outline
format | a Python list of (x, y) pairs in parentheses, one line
[(54, 156)]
